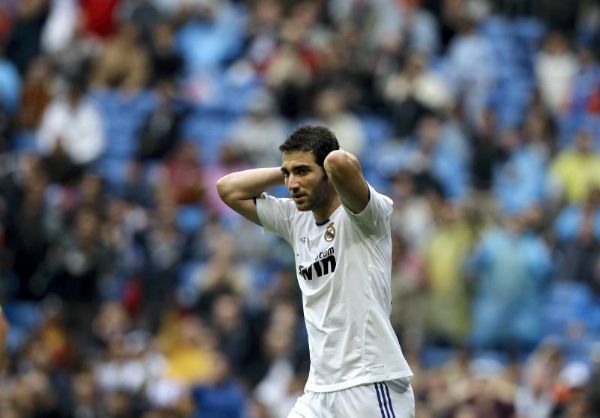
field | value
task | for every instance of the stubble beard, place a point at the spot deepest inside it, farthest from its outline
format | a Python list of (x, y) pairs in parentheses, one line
[(317, 197)]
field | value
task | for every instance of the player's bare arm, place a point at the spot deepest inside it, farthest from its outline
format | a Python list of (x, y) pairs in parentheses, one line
[(239, 189), (345, 173)]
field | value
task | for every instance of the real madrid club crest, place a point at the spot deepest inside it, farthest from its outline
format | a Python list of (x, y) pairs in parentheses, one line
[(329, 233)]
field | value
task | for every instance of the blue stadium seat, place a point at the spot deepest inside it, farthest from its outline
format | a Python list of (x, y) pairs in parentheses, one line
[(24, 319), (496, 27), (123, 118), (567, 302), (486, 363), (114, 171), (376, 128), (530, 31), (24, 142), (432, 356), (209, 130), (190, 218)]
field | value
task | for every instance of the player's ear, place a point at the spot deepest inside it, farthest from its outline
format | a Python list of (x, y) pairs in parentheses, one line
[(327, 180)]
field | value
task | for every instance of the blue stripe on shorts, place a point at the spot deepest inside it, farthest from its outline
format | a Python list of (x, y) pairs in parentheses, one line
[(379, 399), (385, 401), (389, 399)]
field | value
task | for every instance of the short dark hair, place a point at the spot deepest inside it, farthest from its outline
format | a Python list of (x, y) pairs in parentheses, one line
[(318, 139)]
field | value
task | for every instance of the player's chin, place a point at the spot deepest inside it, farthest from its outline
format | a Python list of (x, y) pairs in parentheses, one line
[(303, 206)]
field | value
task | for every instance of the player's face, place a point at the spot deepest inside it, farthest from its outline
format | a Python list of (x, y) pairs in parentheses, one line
[(305, 179)]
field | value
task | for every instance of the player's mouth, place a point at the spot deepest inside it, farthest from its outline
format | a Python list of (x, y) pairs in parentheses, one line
[(298, 197)]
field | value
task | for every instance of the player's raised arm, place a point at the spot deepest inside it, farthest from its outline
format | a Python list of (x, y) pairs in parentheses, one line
[(239, 189), (345, 173)]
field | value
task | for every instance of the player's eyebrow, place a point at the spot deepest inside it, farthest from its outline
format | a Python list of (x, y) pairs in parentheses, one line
[(286, 170), (301, 166)]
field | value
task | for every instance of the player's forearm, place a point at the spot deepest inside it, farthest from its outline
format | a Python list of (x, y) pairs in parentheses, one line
[(345, 173), (243, 185)]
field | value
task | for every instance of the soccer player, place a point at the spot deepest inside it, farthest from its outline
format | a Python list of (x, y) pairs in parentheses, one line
[(339, 228)]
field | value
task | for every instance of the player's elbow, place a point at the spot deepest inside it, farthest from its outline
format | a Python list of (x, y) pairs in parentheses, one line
[(225, 188), (340, 162)]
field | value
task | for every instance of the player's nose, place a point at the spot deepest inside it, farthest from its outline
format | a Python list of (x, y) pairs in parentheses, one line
[(293, 184)]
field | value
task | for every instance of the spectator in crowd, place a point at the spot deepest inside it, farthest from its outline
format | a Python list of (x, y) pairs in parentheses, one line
[(65, 40), (291, 69), (509, 268), (486, 153), (60, 26), (257, 133), (100, 18), (331, 110), (183, 175), (162, 245), (431, 156), (412, 91), (593, 395), (36, 94), (415, 207), (539, 133), (577, 230), (415, 26), (576, 170), (473, 69), (145, 15), (75, 267), (25, 39), (555, 68), (161, 129), (262, 33), (221, 396), (210, 34), (448, 296), (409, 286), (71, 133), (85, 402), (230, 158), (273, 390), (123, 62), (6, 128), (28, 232), (234, 333), (222, 272), (165, 61), (190, 350), (535, 396), (519, 179)]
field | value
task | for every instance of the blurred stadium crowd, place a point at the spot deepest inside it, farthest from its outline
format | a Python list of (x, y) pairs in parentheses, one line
[(133, 292)]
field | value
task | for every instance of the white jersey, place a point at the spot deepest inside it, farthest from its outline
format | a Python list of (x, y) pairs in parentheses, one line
[(344, 270)]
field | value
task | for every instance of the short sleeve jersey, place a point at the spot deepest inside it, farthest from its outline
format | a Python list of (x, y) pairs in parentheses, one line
[(343, 267)]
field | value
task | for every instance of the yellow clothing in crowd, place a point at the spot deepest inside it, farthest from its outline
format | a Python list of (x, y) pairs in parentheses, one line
[(577, 173), (448, 307)]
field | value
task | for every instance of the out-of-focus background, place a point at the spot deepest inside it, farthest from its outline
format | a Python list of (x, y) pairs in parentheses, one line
[(133, 292)]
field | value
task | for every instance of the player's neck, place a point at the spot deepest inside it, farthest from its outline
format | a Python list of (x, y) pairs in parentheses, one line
[(323, 213)]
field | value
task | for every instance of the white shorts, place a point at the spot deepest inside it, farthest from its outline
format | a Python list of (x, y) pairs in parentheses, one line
[(391, 399)]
